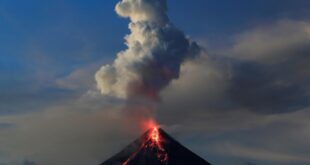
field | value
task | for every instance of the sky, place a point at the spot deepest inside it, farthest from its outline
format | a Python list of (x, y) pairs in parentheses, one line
[(243, 101)]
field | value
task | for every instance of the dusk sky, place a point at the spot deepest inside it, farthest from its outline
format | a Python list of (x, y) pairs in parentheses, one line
[(241, 96)]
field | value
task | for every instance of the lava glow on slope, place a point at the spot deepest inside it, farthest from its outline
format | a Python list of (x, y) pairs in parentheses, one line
[(156, 144), (152, 143), (155, 135)]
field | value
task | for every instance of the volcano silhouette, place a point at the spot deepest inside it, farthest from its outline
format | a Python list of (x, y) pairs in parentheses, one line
[(136, 154)]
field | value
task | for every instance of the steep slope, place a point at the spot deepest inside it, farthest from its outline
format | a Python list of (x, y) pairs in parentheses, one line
[(155, 147)]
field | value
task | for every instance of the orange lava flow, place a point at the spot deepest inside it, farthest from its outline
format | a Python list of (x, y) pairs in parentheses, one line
[(154, 144), (155, 135)]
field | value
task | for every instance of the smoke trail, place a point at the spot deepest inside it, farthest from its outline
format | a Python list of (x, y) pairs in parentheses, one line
[(156, 50)]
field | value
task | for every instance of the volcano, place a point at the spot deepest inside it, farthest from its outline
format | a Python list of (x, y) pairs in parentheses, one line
[(155, 147)]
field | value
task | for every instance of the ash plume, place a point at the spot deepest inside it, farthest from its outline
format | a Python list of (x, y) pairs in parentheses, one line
[(156, 50)]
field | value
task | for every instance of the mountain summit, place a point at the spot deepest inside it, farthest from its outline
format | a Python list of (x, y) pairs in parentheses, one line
[(155, 147)]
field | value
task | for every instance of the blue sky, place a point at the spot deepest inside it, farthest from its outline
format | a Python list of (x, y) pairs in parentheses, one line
[(50, 51), (62, 28)]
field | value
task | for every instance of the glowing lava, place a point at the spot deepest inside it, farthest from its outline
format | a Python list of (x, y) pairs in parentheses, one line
[(153, 143), (155, 135)]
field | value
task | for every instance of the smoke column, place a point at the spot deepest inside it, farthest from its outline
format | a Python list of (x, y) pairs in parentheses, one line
[(156, 50)]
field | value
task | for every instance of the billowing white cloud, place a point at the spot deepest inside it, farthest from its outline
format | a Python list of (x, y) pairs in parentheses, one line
[(143, 10), (156, 50)]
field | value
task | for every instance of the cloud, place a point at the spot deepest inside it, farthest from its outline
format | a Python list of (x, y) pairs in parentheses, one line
[(271, 73), (156, 50), (28, 99), (28, 162), (274, 43), (85, 131), (273, 78), (6, 126), (262, 99), (237, 135), (79, 79), (143, 10), (260, 153), (250, 163)]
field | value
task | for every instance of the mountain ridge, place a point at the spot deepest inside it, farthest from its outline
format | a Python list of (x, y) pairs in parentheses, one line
[(146, 150)]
